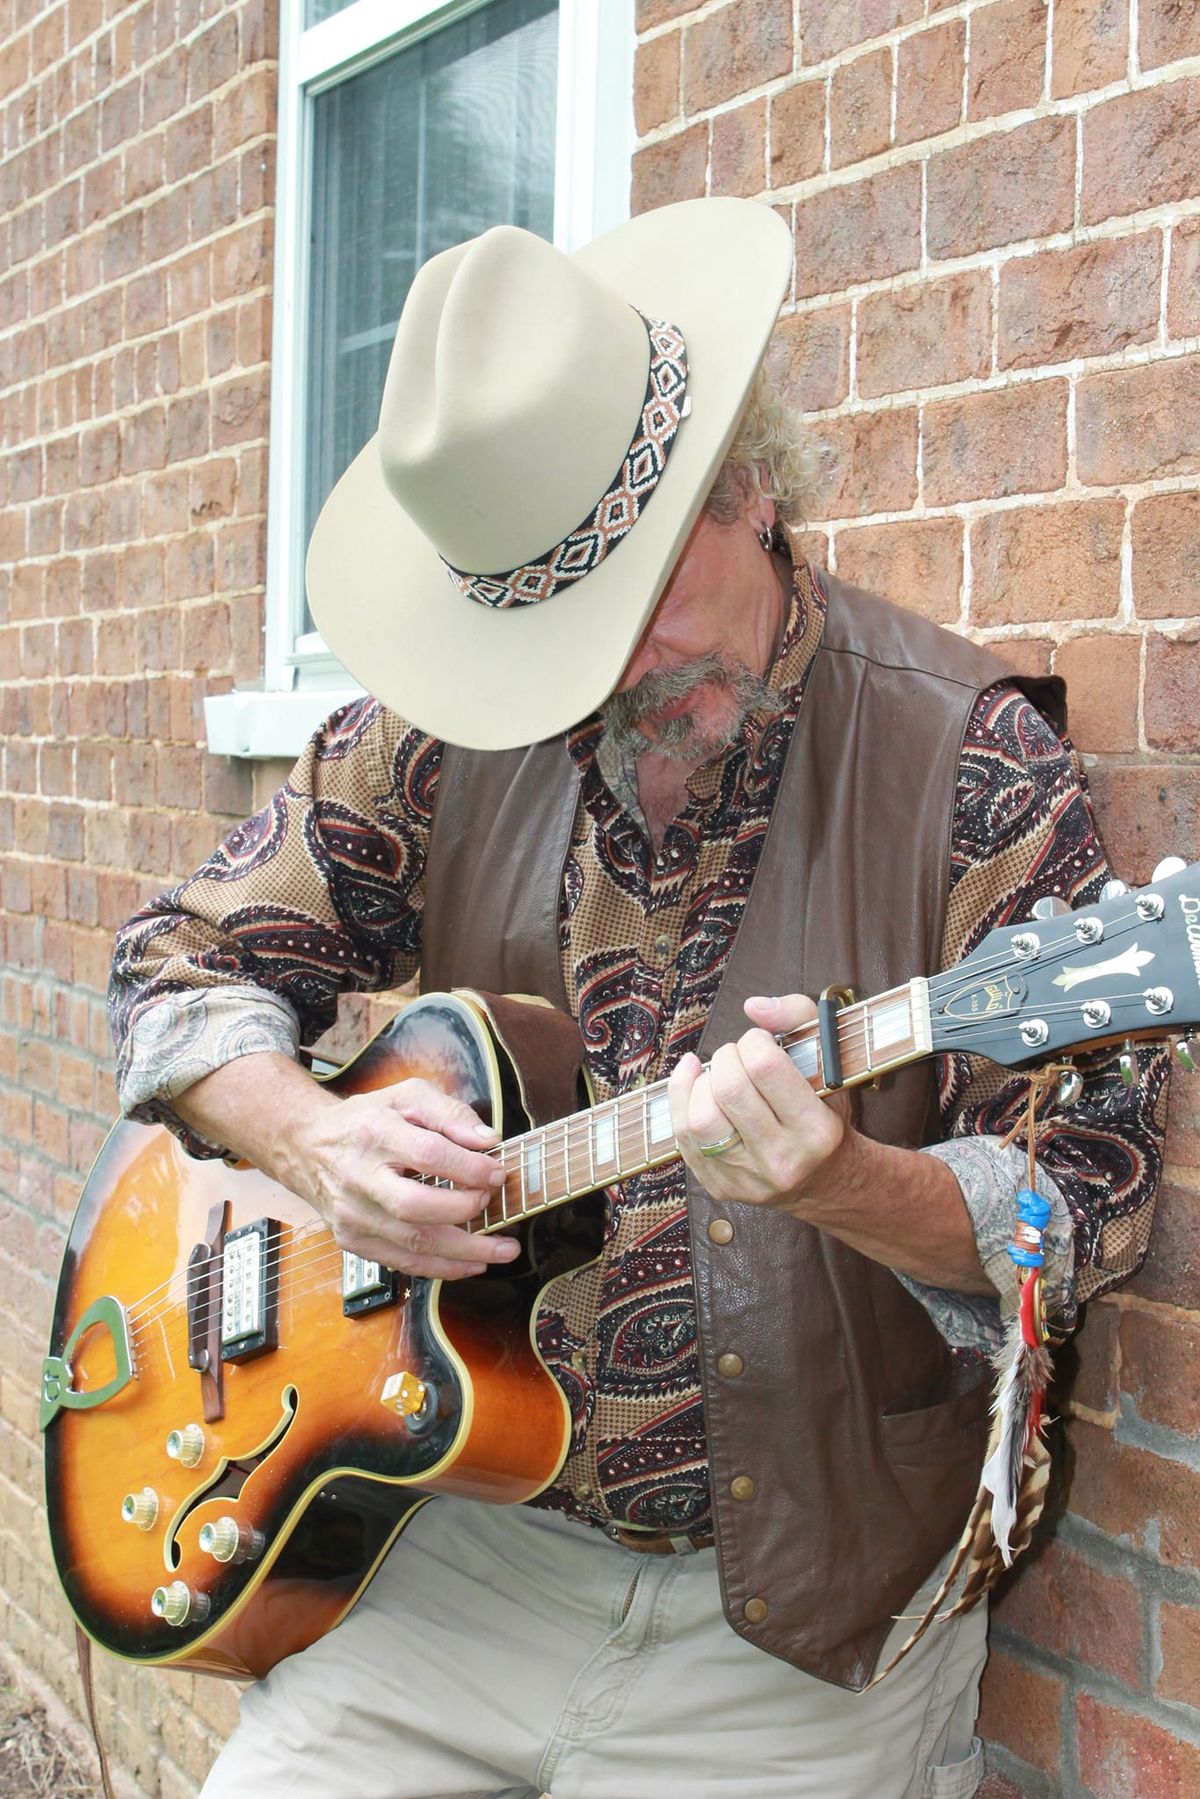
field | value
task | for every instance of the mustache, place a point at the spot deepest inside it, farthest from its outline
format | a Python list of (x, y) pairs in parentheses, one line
[(659, 687), (624, 712)]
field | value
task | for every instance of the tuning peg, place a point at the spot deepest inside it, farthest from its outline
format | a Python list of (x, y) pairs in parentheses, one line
[(1127, 1062), (1188, 1051), (1113, 889), (1050, 906), (1170, 865), (1069, 1089)]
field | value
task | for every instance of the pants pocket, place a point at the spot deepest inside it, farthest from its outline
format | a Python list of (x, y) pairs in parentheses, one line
[(956, 1780)]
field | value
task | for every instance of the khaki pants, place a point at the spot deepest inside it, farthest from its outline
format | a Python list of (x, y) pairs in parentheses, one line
[(504, 1653)]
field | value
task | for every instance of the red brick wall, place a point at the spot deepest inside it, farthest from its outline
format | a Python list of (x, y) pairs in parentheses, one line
[(998, 231), (135, 242), (995, 327)]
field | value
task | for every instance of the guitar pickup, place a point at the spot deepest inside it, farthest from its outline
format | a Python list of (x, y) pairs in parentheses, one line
[(250, 1290), (366, 1285)]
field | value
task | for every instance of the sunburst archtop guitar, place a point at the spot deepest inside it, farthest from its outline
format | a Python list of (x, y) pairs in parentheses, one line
[(239, 1418)]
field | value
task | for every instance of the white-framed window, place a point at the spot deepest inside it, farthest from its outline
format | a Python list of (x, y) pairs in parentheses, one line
[(405, 126)]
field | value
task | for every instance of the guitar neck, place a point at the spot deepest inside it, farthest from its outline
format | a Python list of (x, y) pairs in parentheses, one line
[(627, 1135)]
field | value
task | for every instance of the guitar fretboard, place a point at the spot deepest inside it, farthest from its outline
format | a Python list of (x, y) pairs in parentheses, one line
[(627, 1135)]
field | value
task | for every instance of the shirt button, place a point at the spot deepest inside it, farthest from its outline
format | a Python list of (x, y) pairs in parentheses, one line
[(730, 1365), (662, 946), (720, 1231), (754, 1610), (742, 1487)]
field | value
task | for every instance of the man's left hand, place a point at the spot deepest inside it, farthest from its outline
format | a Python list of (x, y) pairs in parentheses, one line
[(792, 1144), (798, 1153)]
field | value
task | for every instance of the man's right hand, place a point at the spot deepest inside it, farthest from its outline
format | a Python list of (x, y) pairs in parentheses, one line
[(353, 1160)]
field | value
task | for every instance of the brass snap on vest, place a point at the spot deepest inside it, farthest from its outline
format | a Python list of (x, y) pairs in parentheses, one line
[(730, 1365), (742, 1487), (755, 1610), (720, 1231)]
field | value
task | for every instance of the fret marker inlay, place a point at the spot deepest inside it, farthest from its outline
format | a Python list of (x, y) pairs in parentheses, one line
[(660, 1118), (890, 1024), (533, 1166), (606, 1138)]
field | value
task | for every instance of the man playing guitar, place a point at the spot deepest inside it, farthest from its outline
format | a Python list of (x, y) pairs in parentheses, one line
[(628, 752)]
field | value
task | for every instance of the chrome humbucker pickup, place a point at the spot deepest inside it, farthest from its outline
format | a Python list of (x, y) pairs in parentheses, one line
[(366, 1285), (249, 1287)]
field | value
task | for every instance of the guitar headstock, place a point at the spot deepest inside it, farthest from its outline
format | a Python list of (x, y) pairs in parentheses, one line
[(1123, 969)]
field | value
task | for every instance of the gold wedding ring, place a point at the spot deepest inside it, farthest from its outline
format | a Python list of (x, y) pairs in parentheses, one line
[(721, 1148)]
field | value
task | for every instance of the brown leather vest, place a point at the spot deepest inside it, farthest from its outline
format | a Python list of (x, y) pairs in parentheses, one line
[(862, 1434)]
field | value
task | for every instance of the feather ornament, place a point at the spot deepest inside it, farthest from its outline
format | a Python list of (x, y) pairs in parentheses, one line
[(1022, 1375), (1016, 1469), (977, 1557)]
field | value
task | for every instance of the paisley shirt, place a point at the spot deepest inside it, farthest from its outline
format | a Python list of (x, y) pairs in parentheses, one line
[(321, 892)]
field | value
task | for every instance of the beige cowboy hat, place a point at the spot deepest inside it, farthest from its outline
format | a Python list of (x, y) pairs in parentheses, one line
[(550, 427)]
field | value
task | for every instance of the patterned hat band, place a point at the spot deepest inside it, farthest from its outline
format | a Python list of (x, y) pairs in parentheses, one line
[(585, 548)]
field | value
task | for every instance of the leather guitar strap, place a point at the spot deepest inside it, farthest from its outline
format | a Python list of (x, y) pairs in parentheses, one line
[(83, 1648)]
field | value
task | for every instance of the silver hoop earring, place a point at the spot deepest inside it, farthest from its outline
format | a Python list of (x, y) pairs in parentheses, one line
[(766, 538)]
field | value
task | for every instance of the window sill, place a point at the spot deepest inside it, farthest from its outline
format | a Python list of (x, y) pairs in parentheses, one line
[(266, 725)]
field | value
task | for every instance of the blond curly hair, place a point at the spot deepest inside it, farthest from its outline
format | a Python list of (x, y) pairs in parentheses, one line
[(769, 453)]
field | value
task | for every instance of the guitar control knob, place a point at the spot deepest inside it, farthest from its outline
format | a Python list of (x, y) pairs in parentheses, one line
[(226, 1541), (187, 1445), (414, 1401), (141, 1508), (221, 1540), (177, 1605)]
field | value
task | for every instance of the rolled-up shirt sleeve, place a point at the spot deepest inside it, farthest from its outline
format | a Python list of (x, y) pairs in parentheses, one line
[(990, 1175), (319, 893), (183, 1036), (1023, 830)]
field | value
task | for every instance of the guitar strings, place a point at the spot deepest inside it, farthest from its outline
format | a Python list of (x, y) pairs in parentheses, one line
[(853, 1024), (1058, 952), (999, 1028), (543, 1136), (555, 1148), (556, 1160), (559, 1156), (197, 1273), (309, 1274), (556, 1151)]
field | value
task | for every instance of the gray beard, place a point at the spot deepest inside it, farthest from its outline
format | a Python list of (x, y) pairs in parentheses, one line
[(677, 739)]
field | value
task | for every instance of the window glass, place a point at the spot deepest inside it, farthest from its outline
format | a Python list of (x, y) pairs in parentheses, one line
[(416, 153), (317, 10)]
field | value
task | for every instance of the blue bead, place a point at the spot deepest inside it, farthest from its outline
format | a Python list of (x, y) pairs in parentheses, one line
[(1033, 1209)]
